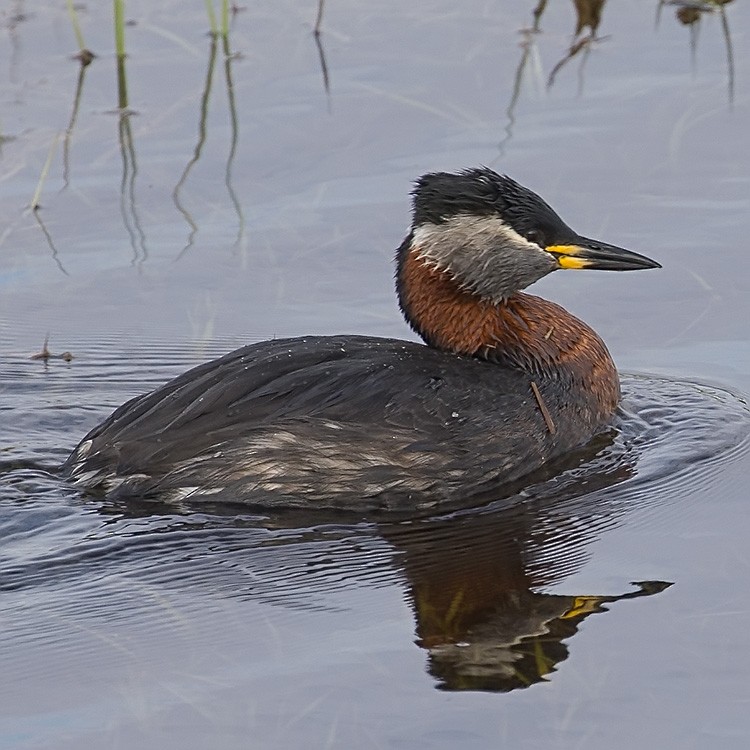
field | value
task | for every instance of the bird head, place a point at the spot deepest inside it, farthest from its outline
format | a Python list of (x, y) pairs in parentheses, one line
[(495, 237)]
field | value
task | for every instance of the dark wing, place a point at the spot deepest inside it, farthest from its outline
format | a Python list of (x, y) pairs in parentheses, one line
[(320, 416)]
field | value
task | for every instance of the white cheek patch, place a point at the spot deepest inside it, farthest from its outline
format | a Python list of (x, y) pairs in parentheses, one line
[(427, 242), (465, 236), (482, 254)]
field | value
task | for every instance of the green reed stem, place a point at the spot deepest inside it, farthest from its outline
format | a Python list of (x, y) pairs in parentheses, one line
[(211, 17), (119, 9), (225, 18), (76, 26)]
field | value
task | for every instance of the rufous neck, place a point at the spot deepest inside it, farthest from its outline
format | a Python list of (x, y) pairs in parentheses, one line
[(525, 331)]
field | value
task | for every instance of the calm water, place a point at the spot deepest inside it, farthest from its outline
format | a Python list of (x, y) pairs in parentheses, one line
[(265, 196)]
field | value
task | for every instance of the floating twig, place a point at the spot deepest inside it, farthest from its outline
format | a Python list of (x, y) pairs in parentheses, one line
[(46, 355)]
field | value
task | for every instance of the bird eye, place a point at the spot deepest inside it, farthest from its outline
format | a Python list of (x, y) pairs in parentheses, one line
[(535, 236)]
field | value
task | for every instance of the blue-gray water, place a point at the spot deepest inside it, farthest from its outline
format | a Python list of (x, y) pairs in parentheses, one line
[(514, 624)]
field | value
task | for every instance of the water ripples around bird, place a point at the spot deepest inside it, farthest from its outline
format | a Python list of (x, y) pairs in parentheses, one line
[(75, 570)]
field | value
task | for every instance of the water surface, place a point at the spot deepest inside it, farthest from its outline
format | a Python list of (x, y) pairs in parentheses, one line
[(241, 200)]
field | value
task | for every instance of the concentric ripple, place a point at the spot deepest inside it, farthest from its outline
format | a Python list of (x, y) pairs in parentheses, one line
[(669, 441), (139, 591)]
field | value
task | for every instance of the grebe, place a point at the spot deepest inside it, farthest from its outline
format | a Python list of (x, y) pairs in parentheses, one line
[(506, 383)]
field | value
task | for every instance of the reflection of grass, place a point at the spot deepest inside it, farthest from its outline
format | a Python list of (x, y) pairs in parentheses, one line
[(689, 13), (319, 18), (219, 17), (43, 176), (528, 45), (234, 121), (71, 123), (202, 132), (321, 51), (35, 204)]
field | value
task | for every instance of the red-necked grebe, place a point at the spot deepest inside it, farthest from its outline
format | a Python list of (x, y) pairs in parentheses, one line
[(506, 382)]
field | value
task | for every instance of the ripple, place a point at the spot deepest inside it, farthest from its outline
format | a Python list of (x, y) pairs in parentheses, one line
[(90, 585), (670, 439), (40, 416)]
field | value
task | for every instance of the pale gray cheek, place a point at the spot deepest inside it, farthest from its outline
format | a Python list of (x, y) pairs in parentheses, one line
[(484, 255), (500, 273), (537, 265)]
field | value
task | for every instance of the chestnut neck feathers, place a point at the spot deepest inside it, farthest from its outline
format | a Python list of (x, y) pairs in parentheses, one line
[(476, 241), (525, 332)]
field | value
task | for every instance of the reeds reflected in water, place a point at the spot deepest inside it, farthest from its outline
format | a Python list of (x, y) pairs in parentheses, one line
[(585, 36), (589, 17)]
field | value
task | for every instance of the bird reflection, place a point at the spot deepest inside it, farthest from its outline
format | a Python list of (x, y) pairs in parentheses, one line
[(475, 581)]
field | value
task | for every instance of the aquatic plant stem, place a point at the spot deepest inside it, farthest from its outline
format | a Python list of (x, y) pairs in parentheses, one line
[(225, 18), (211, 17), (76, 26), (119, 11), (215, 30)]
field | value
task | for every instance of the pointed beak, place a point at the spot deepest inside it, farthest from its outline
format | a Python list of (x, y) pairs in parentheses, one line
[(600, 256)]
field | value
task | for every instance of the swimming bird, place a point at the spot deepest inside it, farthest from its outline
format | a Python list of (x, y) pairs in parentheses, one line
[(504, 383)]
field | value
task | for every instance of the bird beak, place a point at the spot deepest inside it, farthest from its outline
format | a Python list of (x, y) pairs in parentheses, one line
[(588, 253)]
